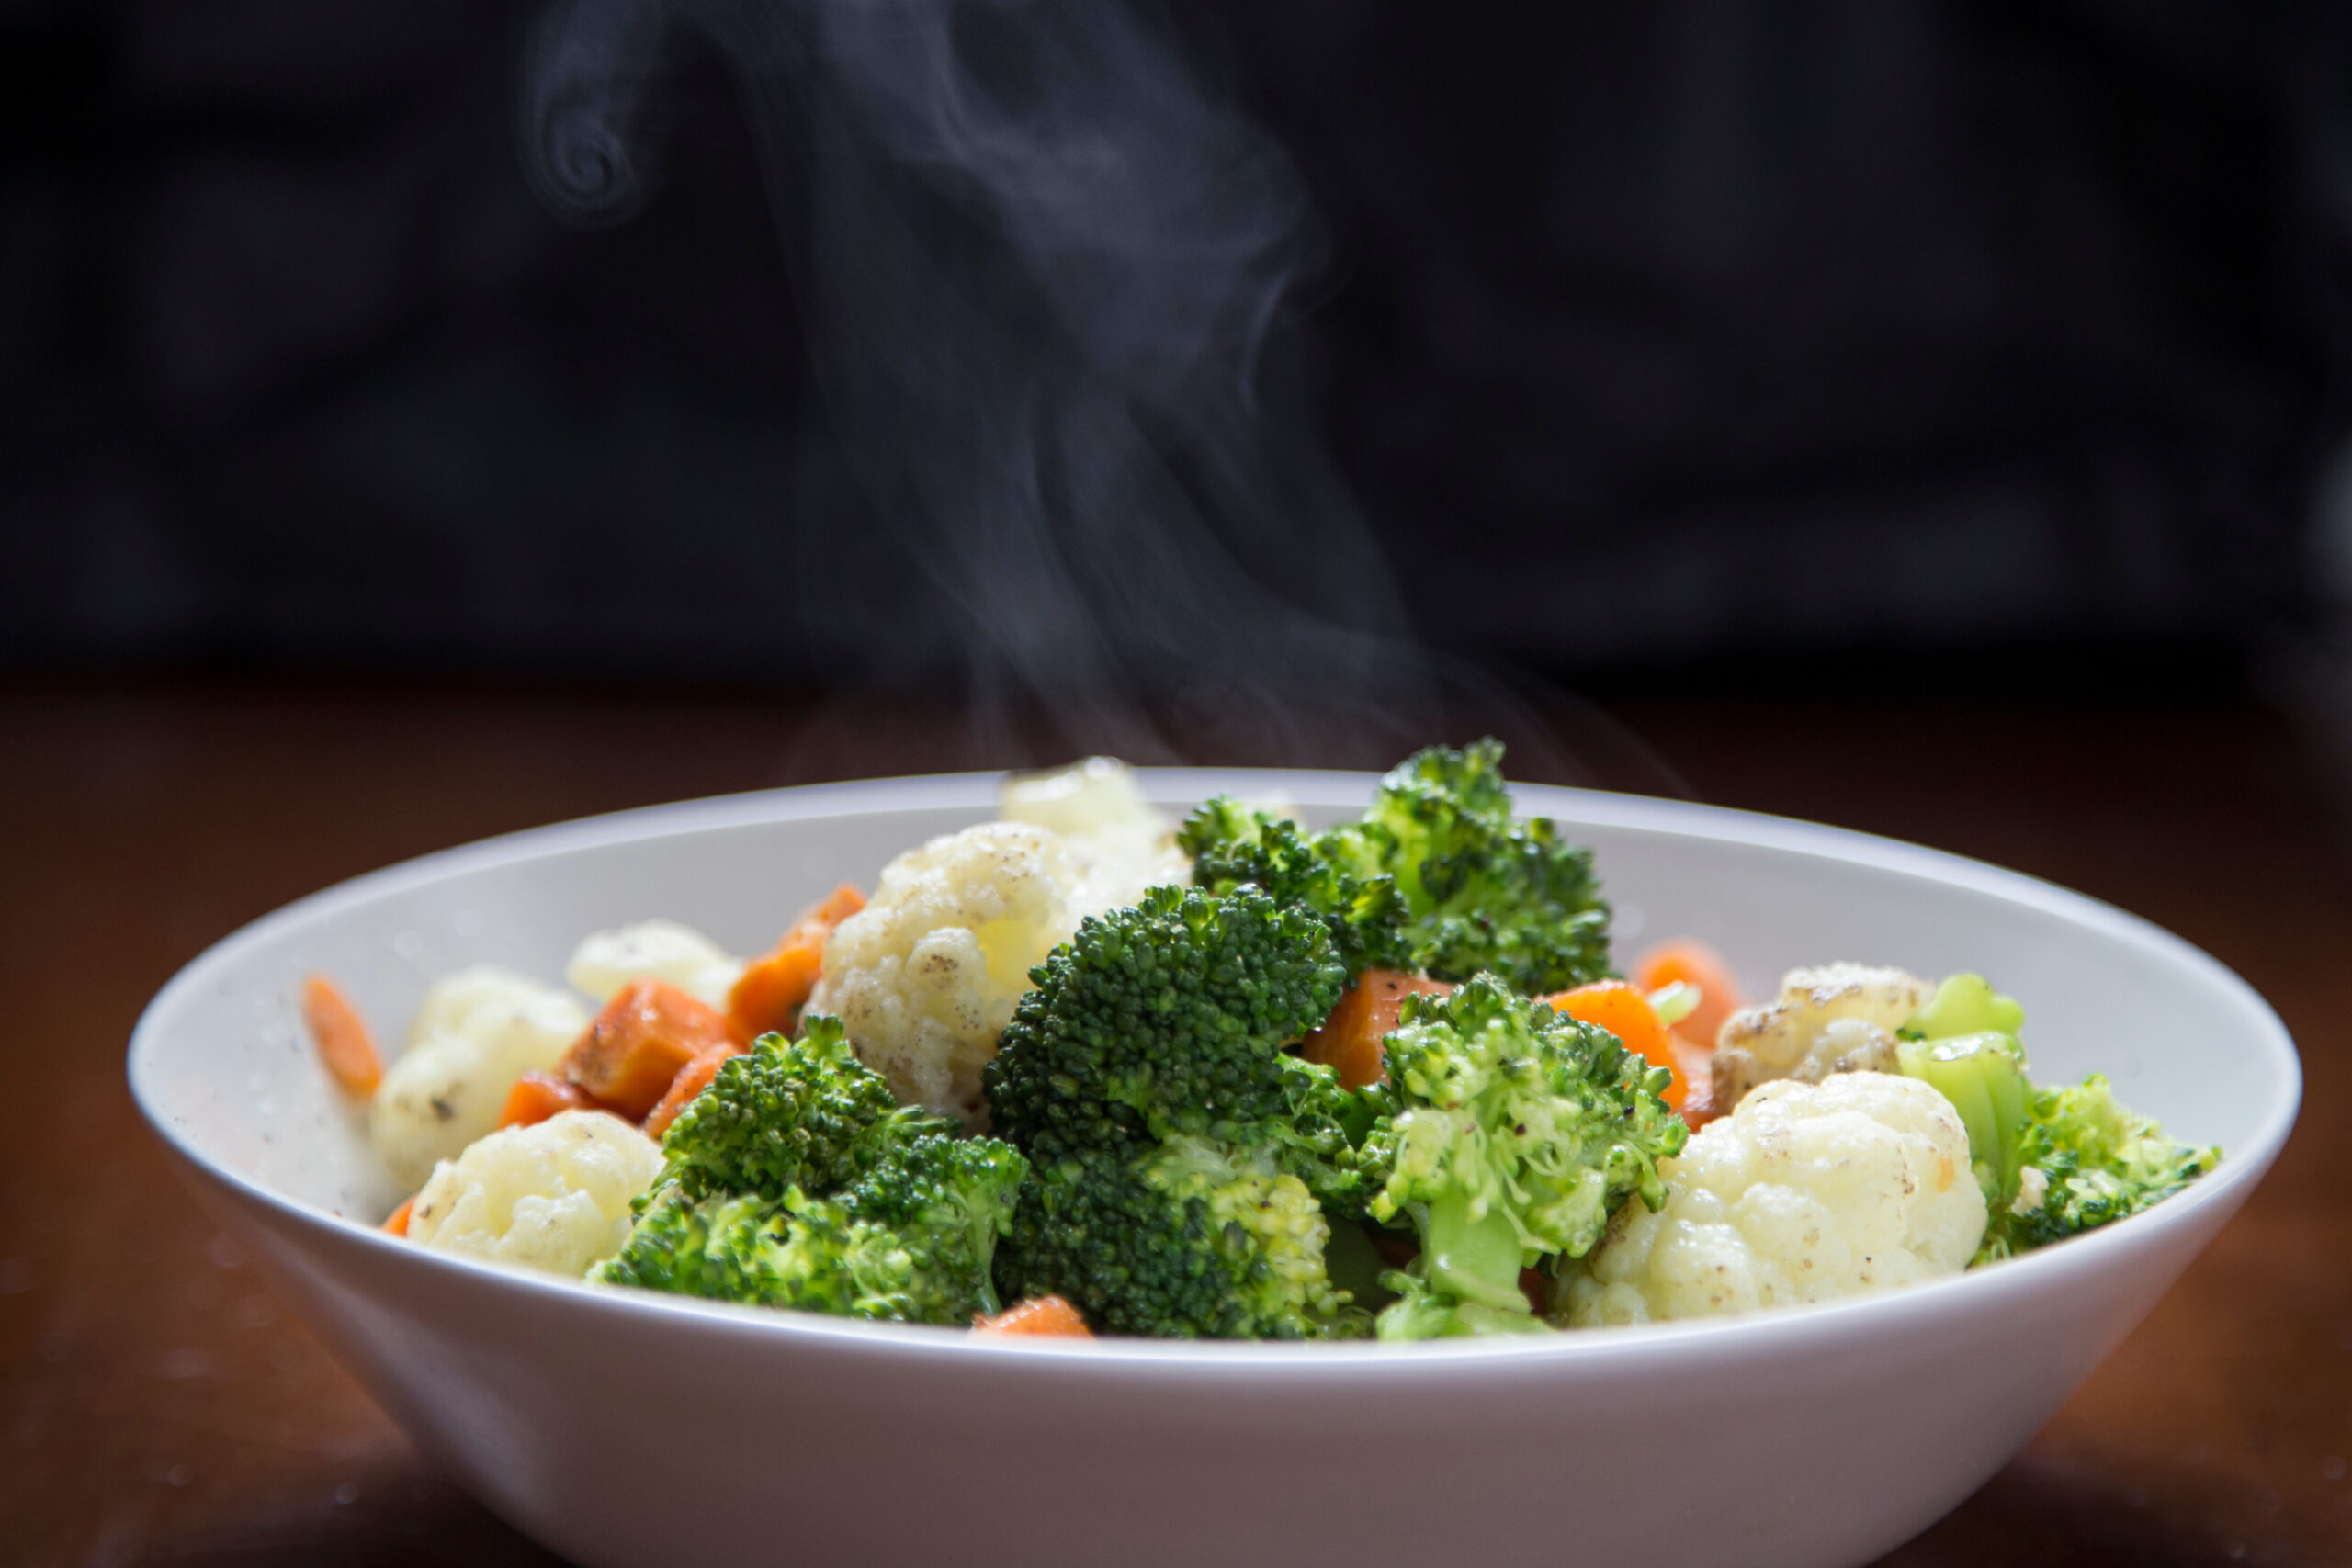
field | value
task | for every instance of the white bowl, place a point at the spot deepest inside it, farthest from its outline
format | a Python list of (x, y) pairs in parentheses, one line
[(622, 1428)]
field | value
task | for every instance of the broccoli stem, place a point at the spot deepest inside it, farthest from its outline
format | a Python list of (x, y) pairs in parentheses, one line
[(1473, 1260), (1984, 1077)]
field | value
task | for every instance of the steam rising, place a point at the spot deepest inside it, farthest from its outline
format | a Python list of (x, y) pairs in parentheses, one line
[(1039, 265)]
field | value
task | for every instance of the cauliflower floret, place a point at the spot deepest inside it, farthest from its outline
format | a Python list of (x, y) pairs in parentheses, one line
[(474, 1034), (1119, 843), (1840, 1018), (1808, 1193), (924, 978), (555, 1195), (654, 950)]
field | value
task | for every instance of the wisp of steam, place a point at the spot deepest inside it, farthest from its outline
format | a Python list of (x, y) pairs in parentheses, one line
[(1038, 264)]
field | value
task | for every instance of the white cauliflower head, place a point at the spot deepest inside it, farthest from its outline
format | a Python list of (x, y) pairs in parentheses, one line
[(1839, 1018), (925, 976), (1808, 1193), (1119, 843), (555, 1195), (654, 950), (474, 1034)]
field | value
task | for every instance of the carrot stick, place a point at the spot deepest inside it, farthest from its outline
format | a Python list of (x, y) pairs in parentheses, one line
[(1349, 1041), (1694, 963), (1039, 1315), (341, 1035), (776, 987), (398, 1223), (692, 1079), (1625, 1010)]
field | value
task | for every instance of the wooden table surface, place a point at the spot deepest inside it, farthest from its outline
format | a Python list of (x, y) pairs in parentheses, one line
[(157, 1404)]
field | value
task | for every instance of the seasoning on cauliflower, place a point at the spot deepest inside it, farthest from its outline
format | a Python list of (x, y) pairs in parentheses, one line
[(1119, 844), (654, 950), (924, 978), (474, 1034), (1840, 1018), (1808, 1193), (555, 1195)]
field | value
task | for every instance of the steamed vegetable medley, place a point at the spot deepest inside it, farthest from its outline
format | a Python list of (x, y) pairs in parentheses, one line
[(1083, 1070)]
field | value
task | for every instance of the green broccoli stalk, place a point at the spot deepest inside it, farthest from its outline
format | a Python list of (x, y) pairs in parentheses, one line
[(2087, 1161), (912, 1240), (1188, 1239), (1510, 1134), (1478, 890), (803, 1113)]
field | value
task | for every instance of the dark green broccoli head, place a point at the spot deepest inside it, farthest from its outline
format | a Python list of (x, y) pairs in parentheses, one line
[(1436, 875), (1191, 1239), (912, 1240), (803, 1113), (948, 1200), (1231, 844), (722, 1248), (2095, 1161), (1510, 1133), (1168, 1016), (1483, 892)]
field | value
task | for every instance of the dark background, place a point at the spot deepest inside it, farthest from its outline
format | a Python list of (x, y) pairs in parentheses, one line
[(1866, 341), (1926, 418)]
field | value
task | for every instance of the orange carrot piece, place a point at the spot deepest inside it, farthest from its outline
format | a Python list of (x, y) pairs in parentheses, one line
[(538, 1096), (1039, 1315), (692, 1079), (398, 1223), (1693, 962), (344, 1043), (634, 1048), (1349, 1041), (1625, 1010), (776, 987)]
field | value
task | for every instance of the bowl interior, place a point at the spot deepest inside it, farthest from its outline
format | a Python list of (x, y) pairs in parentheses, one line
[(223, 1067)]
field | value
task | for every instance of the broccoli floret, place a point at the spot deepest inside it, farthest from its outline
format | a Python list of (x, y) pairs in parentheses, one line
[(797, 1252), (1436, 876), (2052, 1162), (803, 1113), (948, 1200), (912, 1240), (2088, 1160), (1510, 1133), (1164, 1017), (1231, 844), (1185, 1239), (1486, 893)]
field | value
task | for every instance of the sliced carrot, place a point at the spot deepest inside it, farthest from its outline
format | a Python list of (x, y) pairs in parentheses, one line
[(1694, 963), (341, 1035), (775, 985), (1625, 1010), (1349, 1041), (692, 1079), (634, 1048), (398, 1223), (538, 1096), (1039, 1315)]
